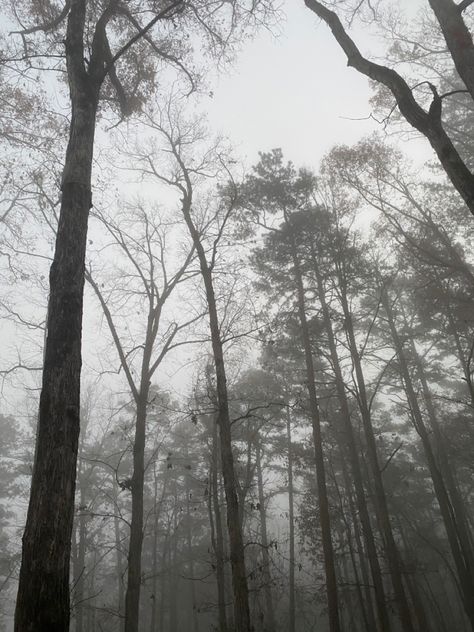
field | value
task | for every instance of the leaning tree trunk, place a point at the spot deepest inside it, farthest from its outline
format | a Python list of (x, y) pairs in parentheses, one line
[(461, 557), (43, 603)]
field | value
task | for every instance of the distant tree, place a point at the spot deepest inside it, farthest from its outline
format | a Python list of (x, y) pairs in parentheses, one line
[(150, 282)]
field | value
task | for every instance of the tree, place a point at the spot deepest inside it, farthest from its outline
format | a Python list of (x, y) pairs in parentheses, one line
[(193, 162), (150, 283), (275, 189), (104, 52), (427, 121)]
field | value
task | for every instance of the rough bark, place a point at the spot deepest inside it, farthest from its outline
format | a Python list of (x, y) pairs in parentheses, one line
[(428, 123), (458, 39), (43, 592)]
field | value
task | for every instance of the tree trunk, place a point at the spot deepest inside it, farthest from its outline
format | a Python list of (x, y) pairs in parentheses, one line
[(118, 560), (237, 557), (291, 521), (269, 623), (81, 563), (462, 561), (380, 499), (216, 533), (43, 592), (458, 39), (352, 450), (428, 123), (132, 595), (325, 520), (369, 615)]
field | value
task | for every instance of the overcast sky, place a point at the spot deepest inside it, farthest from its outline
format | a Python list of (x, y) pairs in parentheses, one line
[(295, 91)]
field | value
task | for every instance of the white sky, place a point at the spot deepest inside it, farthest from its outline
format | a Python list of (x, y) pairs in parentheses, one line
[(293, 91)]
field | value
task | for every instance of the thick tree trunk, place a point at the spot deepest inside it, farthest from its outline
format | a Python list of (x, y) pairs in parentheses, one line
[(458, 39), (237, 557), (43, 592), (269, 622), (352, 450)]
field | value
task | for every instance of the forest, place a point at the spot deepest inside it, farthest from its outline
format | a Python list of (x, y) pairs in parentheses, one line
[(237, 379)]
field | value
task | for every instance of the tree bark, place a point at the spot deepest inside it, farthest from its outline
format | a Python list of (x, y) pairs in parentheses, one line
[(43, 602), (458, 39)]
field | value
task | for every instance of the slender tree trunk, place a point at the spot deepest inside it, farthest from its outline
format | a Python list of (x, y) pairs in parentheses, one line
[(132, 595), (380, 499), (81, 563), (190, 554), (352, 450), (269, 623), (462, 562), (291, 524), (237, 557), (118, 561), (43, 603), (156, 521), (325, 520), (218, 539), (173, 574), (460, 511), (369, 615), (461, 356)]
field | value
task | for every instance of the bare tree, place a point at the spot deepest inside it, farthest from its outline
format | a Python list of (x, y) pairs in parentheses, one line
[(427, 122), (101, 51), (148, 283)]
